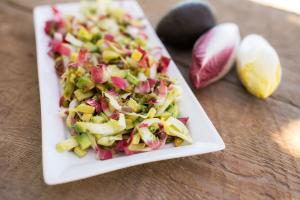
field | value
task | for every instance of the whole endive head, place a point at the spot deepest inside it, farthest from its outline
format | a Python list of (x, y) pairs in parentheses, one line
[(214, 54), (258, 66)]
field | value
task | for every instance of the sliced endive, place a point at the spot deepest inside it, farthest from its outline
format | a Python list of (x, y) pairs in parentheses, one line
[(148, 137), (109, 140), (109, 128), (113, 102), (171, 97), (175, 127)]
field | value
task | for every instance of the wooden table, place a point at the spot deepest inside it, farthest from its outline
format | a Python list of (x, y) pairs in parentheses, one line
[(262, 155)]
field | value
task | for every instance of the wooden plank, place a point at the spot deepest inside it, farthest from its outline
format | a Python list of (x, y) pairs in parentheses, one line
[(261, 160)]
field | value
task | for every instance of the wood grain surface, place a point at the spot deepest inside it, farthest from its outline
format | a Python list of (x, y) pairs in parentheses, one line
[(262, 155)]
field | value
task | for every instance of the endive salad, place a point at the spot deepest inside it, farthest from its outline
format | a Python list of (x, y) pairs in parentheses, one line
[(117, 96)]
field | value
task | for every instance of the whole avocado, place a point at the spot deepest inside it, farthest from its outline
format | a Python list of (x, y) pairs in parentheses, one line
[(185, 23)]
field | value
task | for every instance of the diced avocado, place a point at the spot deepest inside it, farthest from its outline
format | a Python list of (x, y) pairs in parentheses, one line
[(100, 43), (91, 47), (86, 117), (143, 108), (173, 110), (68, 90), (72, 78), (134, 105), (84, 34), (83, 141), (79, 152), (67, 144), (85, 83), (80, 95), (132, 79), (109, 55), (83, 108), (92, 139), (95, 37)]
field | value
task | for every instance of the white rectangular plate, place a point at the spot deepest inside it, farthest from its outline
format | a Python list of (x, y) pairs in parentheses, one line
[(65, 167)]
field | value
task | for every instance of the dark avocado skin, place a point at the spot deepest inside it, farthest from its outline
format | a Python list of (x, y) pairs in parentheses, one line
[(184, 24)]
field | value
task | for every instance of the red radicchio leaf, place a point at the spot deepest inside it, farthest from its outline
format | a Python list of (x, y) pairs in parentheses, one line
[(209, 70), (212, 60), (59, 67), (115, 115), (128, 16), (113, 92), (119, 82), (61, 101), (152, 83), (60, 48), (96, 104), (102, 17), (109, 37), (54, 25), (55, 10), (103, 103), (163, 65), (152, 101), (121, 145), (129, 152), (64, 50), (143, 125), (183, 119), (143, 87), (98, 73), (50, 27), (144, 61), (163, 89), (82, 57), (103, 154), (73, 65), (159, 143)]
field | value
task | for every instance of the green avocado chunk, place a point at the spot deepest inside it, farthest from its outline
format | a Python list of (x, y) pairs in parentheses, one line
[(83, 141), (85, 83), (67, 144)]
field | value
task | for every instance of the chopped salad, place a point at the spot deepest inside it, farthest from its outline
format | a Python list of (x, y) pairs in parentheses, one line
[(117, 96)]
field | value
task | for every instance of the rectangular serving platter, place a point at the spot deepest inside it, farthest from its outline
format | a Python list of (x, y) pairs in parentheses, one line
[(65, 167)]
